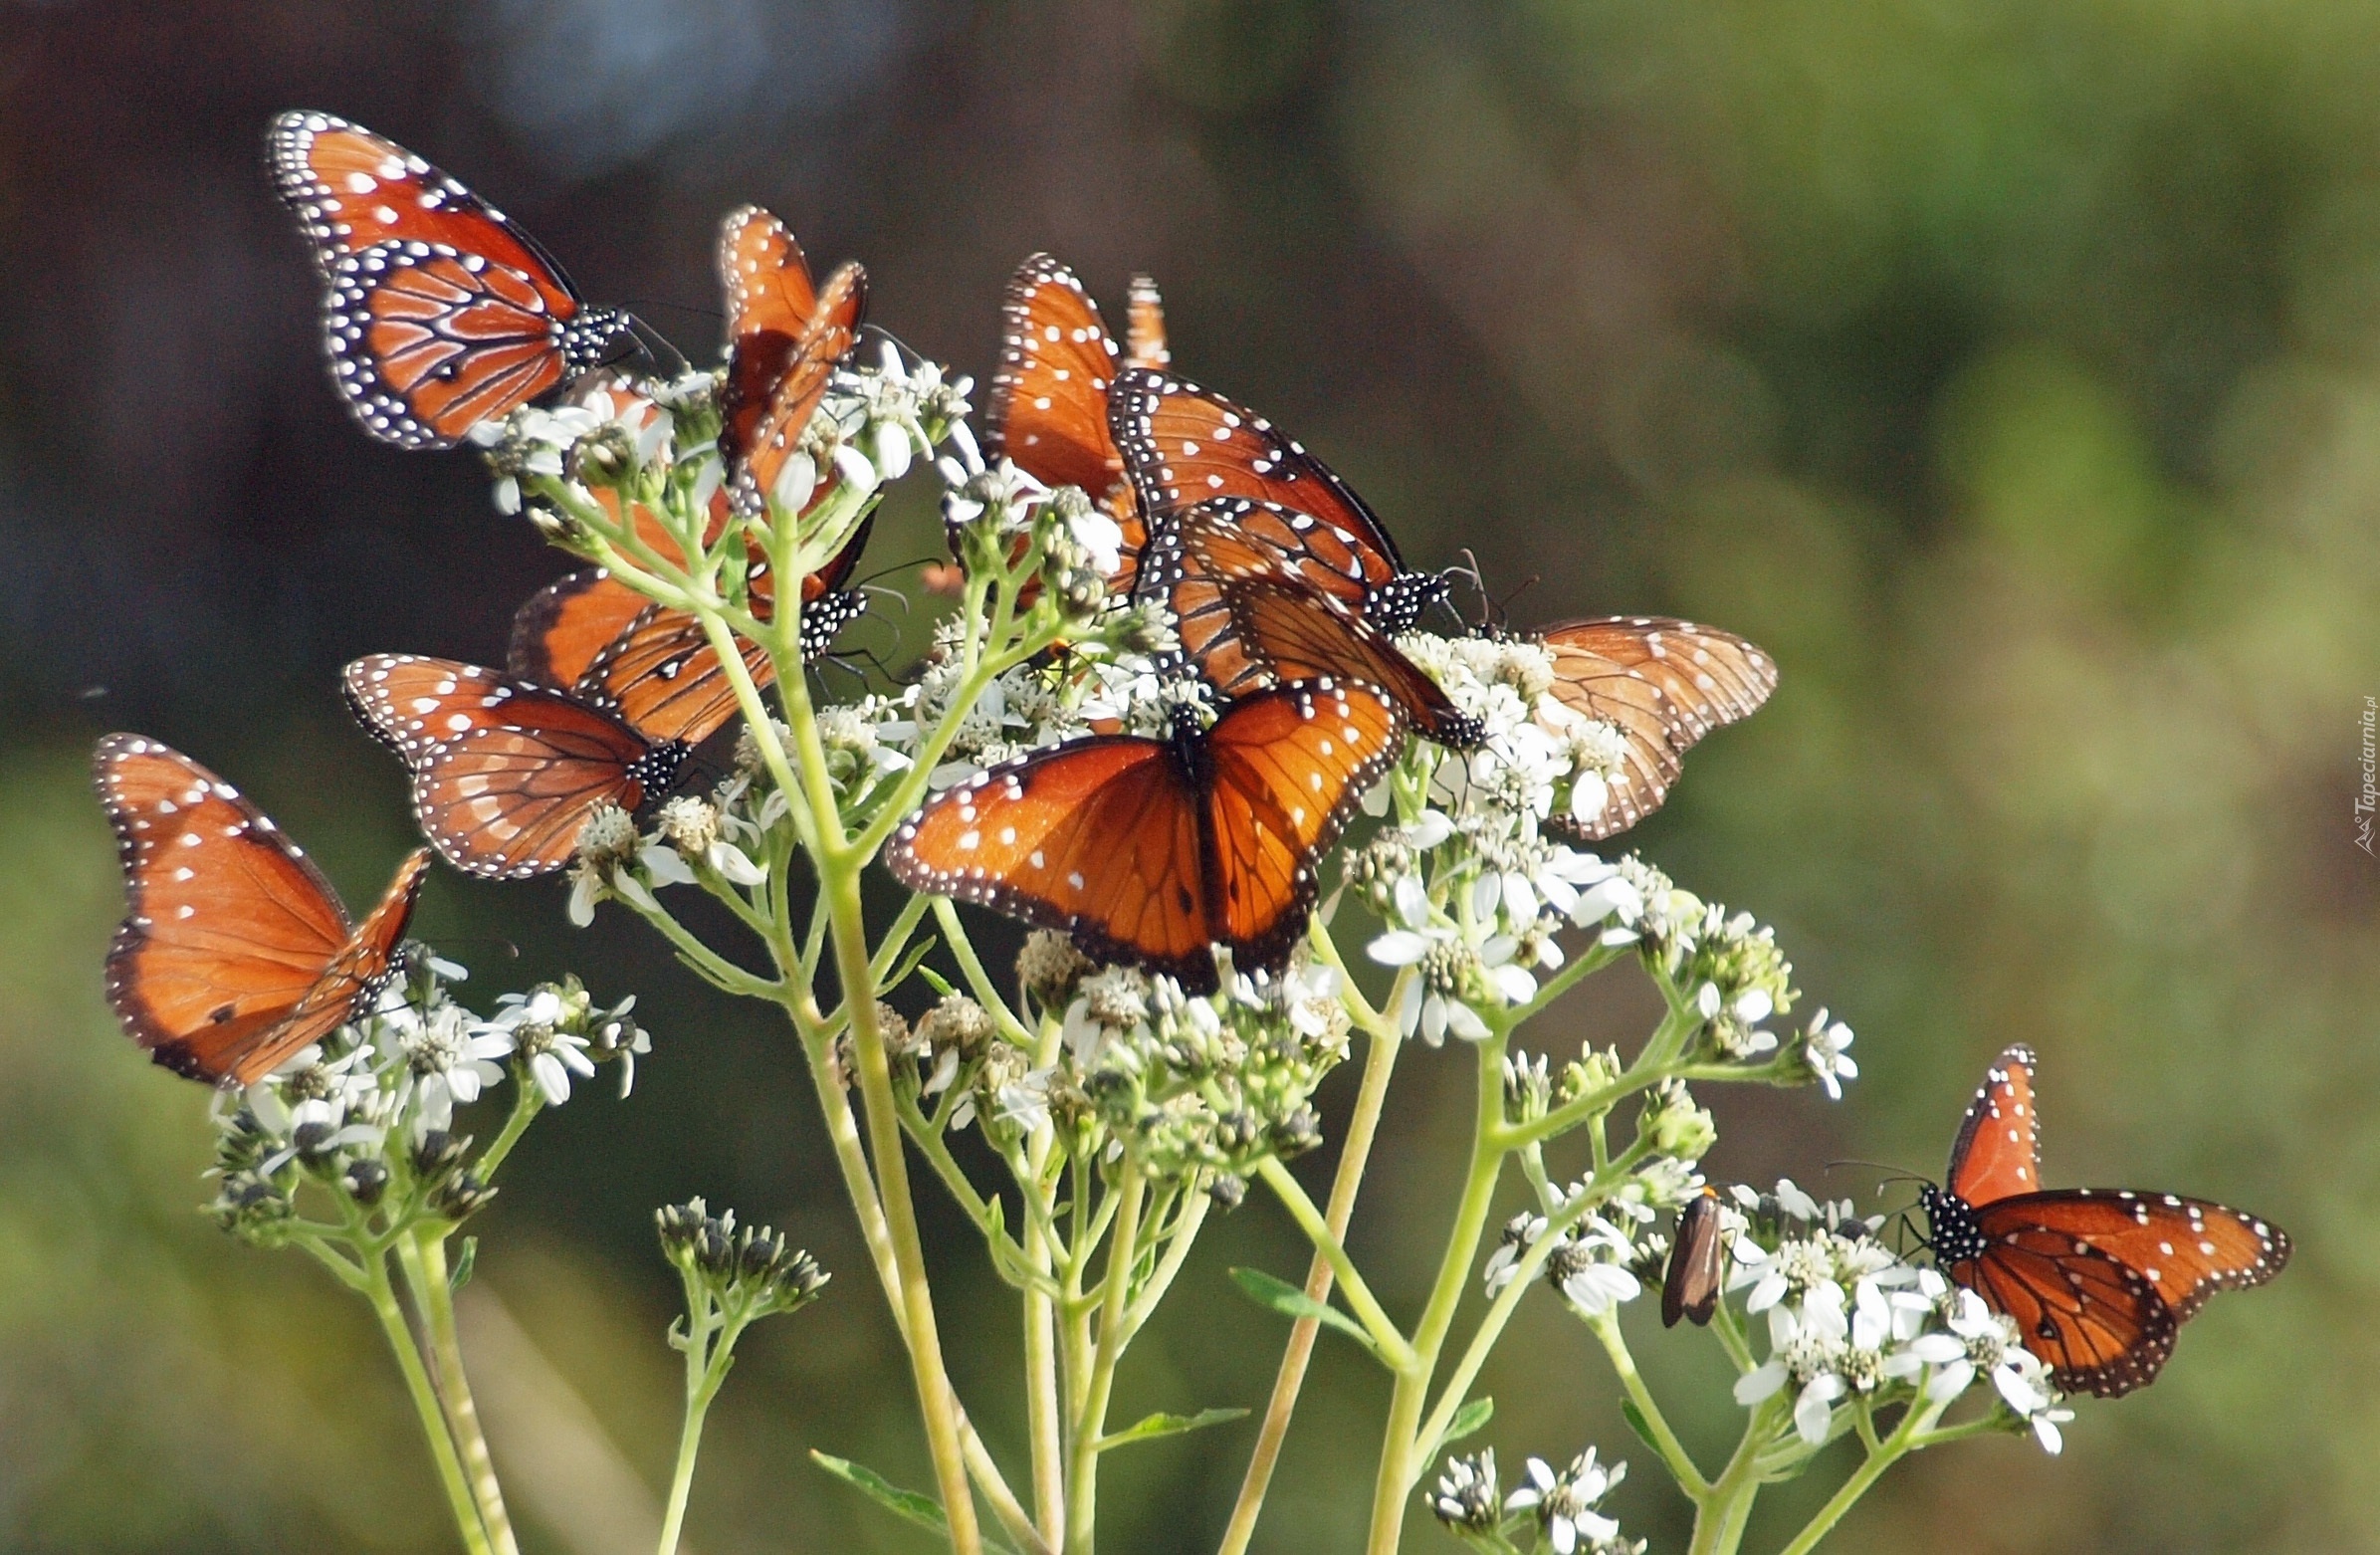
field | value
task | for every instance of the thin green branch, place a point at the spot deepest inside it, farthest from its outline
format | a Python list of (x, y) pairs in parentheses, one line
[(422, 1257), (1395, 1351), (1664, 1439), (382, 1294)]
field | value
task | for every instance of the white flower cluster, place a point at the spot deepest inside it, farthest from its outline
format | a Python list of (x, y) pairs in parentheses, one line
[(1849, 1317), (1560, 1507), (1474, 889), (622, 423), (1213, 1083), (389, 1082), (1593, 1263)]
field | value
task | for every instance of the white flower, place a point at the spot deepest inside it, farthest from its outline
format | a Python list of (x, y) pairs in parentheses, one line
[(1589, 1268), (1827, 1046), (1565, 1503), (1519, 1233), (446, 1062), (1023, 1104), (1805, 1346)]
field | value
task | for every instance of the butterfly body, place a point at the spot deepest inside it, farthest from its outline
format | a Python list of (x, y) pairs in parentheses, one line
[(2098, 1280), (1152, 851), (234, 953), (439, 313)]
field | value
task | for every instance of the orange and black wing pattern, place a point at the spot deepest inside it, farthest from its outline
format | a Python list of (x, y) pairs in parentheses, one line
[(2099, 1282), (1184, 445), (439, 313), (1246, 619), (784, 343), (234, 953), (504, 771)]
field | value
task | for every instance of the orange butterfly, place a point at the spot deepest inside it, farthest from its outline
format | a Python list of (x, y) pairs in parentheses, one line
[(439, 313), (1155, 852), (2098, 1280), (234, 953)]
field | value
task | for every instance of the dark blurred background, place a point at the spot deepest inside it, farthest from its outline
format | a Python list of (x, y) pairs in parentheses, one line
[(2011, 368)]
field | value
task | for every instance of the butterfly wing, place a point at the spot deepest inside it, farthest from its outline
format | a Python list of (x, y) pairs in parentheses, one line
[(505, 773), (234, 952), (565, 626), (775, 433), (770, 301), (1183, 445), (1099, 837), (2098, 1323), (353, 191), (1247, 621), (1048, 405), (1286, 769), (1145, 326), (2185, 1248), (1663, 684), (1998, 1152), (662, 676)]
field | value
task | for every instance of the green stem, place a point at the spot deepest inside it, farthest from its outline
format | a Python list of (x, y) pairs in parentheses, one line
[(1379, 1063), (707, 1360), (1122, 1254), (1871, 1468), (935, 1397), (978, 982), (1397, 1468), (1590, 1196), (1044, 1417), (1722, 1510), (527, 1101), (721, 973), (1673, 1452), (421, 1254), (382, 1294), (1395, 1352)]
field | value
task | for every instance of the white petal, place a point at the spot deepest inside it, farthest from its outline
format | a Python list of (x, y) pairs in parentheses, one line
[(1760, 1383)]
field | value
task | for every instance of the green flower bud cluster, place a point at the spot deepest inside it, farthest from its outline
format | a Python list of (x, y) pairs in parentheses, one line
[(747, 1272)]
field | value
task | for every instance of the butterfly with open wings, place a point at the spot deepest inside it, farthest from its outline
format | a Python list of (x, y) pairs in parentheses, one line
[(1155, 852), (2098, 1280), (234, 954), (439, 313)]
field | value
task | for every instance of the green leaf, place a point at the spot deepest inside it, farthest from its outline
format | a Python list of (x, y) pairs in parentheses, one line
[(1155, 1425), (936, 980), (1466, 1422), (1280, 1297), (1636, 1422), (908, 1505), (465, 1263)]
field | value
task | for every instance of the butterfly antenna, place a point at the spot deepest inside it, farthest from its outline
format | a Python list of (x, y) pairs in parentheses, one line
[(890, 567), (1893, 1174), (876, 591), (681, 308), (510, 948), (657, 347)]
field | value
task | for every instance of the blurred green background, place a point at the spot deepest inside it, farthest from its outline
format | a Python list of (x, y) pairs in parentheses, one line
[(2011, 368)]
